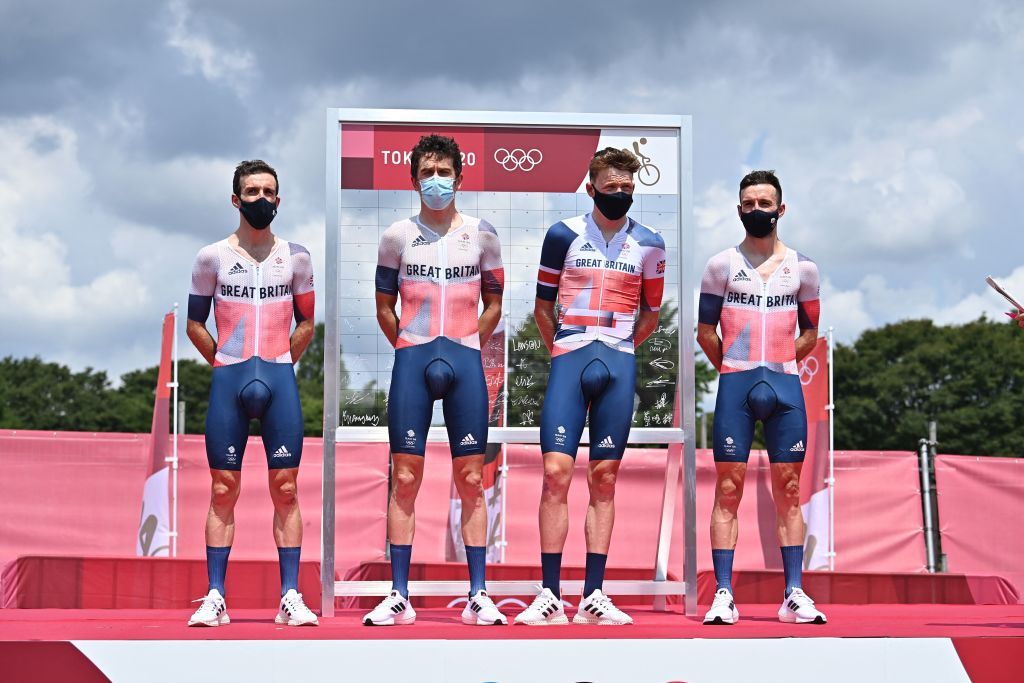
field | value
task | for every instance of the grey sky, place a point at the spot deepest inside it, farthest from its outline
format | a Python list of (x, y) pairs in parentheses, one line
[(895, 128)]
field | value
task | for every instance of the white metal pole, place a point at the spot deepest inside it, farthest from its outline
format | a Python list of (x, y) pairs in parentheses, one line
[(504, 447), (174, 443), (831, 459)]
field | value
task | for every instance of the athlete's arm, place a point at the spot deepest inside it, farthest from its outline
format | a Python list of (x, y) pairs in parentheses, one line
[(808, 307), (646, 323), (492, 280), (712, 296), (544, 314), (710, 343), (202, 340), (200, 300), (557, 241), (490, 316), (389, 260), (303, 301), (652, 287), (387, 318)]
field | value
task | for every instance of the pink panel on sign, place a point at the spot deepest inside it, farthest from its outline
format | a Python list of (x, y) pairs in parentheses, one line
[(979, 509), (356, 141)]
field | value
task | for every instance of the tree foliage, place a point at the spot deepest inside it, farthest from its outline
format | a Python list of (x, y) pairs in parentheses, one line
[(969, 378)]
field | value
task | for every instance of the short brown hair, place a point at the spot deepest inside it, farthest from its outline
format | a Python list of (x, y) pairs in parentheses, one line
[(252, 167), (610, 157), (438, 146), (762, 178)]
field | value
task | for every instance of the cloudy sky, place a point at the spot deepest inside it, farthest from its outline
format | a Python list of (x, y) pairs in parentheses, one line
[(896, 128)]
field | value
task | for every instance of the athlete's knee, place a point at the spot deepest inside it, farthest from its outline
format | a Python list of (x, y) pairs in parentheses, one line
[(404, 484), (602, 485), (469, 481), (728, 493), (556, 480), (284, 493), (224, 493), (788, 493)]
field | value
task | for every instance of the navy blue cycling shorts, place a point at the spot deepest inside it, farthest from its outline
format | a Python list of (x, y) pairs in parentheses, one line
[(595, 377), (254, 389), (438, 370), (776, 399)]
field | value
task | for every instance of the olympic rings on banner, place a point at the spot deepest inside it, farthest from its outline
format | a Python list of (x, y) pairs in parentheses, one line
[(808, 369), (518, 159)]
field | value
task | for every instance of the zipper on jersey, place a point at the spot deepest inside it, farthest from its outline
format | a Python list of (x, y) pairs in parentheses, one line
[(764, 315), (256, 304), (442, 255)]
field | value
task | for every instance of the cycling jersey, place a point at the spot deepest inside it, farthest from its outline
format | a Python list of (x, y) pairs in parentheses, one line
[(253, 302), (759, 318), (439, 278), (600, 285), (594, 377)]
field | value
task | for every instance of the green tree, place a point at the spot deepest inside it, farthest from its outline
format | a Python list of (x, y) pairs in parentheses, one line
[(35, 394), (138, 393), (969, 378)]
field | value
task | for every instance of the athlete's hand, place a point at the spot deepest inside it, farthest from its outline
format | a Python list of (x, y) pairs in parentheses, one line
[(1017, 315)]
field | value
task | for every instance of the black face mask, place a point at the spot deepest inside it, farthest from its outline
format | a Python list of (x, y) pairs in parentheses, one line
[(613, 205), (760, 223), (259, 213)]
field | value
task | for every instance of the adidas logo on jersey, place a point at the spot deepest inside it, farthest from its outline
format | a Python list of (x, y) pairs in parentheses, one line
[(468, 440), (587, 247), (420, 241), (607, 442), (282, 452), (798, 447), (741, 277), (237, 269)]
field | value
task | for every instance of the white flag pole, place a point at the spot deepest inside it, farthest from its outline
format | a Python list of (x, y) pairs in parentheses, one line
[(831, 407), (174, 443)]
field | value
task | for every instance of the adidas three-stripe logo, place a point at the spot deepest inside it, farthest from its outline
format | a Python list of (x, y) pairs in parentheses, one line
[(474, 606), (607, 442), (468, 440), (282, 452), (798, 446), (594, 610), (398, 608), (237, 269), (420, 241), (793, 606), (587, 247)]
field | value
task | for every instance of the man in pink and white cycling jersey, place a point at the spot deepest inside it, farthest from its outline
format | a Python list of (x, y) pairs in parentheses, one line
[(761, 293), (256, 283)]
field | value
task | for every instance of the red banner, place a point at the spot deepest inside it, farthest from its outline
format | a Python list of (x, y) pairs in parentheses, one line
[(377, 157), (813, 488), (154, 525)]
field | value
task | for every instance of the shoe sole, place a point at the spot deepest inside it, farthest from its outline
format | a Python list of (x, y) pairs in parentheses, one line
[(222, 620), (285, 621), (389, 622), (560, 620), (797, 620), (476, 621), (719, 621), (599, 622)]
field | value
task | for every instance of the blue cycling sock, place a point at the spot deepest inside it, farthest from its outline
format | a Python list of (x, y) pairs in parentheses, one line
[(288, 558), (217, 567), (476, 558), (793, 566), (722, 561), (551, 570), (594, 579), (401, 556)]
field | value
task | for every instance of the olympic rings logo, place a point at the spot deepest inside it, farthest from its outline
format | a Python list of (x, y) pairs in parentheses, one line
[(518, 159), (808, 369)]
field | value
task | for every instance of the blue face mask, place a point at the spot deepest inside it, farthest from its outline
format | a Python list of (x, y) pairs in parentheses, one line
[(437, 192)]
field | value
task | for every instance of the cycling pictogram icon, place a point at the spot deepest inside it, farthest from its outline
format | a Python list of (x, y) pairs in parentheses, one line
[(648, 174)]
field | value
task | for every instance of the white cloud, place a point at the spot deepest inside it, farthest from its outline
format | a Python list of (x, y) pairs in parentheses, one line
[(217, 64)]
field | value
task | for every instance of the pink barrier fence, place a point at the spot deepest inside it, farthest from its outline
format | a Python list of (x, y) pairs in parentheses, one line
[(979, 503), (80, 494)]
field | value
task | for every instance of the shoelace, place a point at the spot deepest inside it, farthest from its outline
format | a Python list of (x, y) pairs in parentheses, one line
[(485, 601), (295, 603), (721, 599), (540, 601)]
